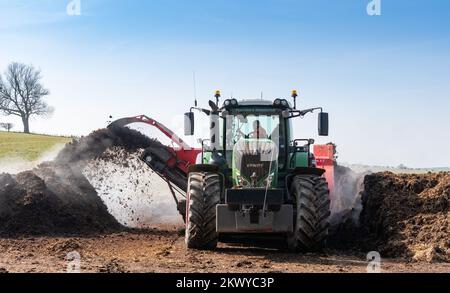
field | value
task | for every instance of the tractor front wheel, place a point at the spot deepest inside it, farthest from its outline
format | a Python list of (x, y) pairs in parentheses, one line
[(313, 212), (204, 191)]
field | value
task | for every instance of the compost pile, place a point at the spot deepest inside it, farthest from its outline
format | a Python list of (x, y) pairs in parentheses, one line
[(408, 215), (404, 215), (55, 197)]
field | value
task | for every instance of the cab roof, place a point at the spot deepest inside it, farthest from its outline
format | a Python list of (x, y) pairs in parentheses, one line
[(258, 102), (255, 102)]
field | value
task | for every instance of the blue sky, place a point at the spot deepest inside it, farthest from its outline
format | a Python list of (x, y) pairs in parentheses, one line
[(384, 79)]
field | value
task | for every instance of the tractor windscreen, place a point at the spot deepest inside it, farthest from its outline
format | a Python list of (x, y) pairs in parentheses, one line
[(255, 149), (253, 126)]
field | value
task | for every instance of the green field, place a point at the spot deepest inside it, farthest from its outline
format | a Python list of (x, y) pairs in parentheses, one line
[(28, 147)]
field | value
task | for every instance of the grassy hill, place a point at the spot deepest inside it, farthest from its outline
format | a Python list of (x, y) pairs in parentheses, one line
[(28, 147)]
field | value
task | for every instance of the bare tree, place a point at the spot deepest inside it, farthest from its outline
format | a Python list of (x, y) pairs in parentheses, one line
[(7, 126), (21, 93)]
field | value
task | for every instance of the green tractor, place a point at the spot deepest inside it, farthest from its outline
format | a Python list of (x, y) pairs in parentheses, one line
[(255, 180)]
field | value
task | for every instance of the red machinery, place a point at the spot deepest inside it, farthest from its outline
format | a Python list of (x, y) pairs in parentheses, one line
[(182, 156), (325, 159)]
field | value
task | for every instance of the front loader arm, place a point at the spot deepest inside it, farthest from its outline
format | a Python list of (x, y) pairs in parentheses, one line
[(145, 119), (171, 164)]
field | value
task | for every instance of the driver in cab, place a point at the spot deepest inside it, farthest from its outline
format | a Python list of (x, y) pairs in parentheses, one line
[(258, 131)]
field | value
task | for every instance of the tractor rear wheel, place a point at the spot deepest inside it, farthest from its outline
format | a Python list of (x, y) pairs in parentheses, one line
[(204, 191), (313, 211)]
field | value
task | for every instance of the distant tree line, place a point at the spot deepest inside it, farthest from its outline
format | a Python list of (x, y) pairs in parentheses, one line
[(7, 126)]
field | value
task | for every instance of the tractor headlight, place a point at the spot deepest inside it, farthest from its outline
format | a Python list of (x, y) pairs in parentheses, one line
[(269, 180), (242, 182), (234, 102), (227, 103), (281, 103)]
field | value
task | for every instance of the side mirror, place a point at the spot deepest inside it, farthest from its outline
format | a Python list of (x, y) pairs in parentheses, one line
[(213, 106), (189, 124), (323, 124)]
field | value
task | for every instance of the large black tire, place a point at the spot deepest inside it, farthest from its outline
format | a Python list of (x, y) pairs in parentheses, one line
[(313, 212), (204, 191)]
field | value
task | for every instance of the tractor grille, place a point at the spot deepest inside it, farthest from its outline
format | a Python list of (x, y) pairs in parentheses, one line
[(255, 157), (252, 164)]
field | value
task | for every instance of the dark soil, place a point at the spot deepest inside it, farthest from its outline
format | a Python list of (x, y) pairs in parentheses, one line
[(163, 251), (112, 267), (55, 197), (408, 215), (404, 215), (94, 145), (51, 199)]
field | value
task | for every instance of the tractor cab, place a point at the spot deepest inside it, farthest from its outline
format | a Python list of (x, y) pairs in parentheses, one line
[(252, 141)]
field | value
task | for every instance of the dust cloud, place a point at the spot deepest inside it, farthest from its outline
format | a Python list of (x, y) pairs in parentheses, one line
[(346, 201), (134, 195)]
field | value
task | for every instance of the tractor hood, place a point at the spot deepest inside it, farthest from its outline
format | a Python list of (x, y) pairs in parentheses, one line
[(255, 163)]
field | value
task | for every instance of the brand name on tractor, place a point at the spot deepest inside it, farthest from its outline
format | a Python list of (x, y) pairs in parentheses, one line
[(255, 165)]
